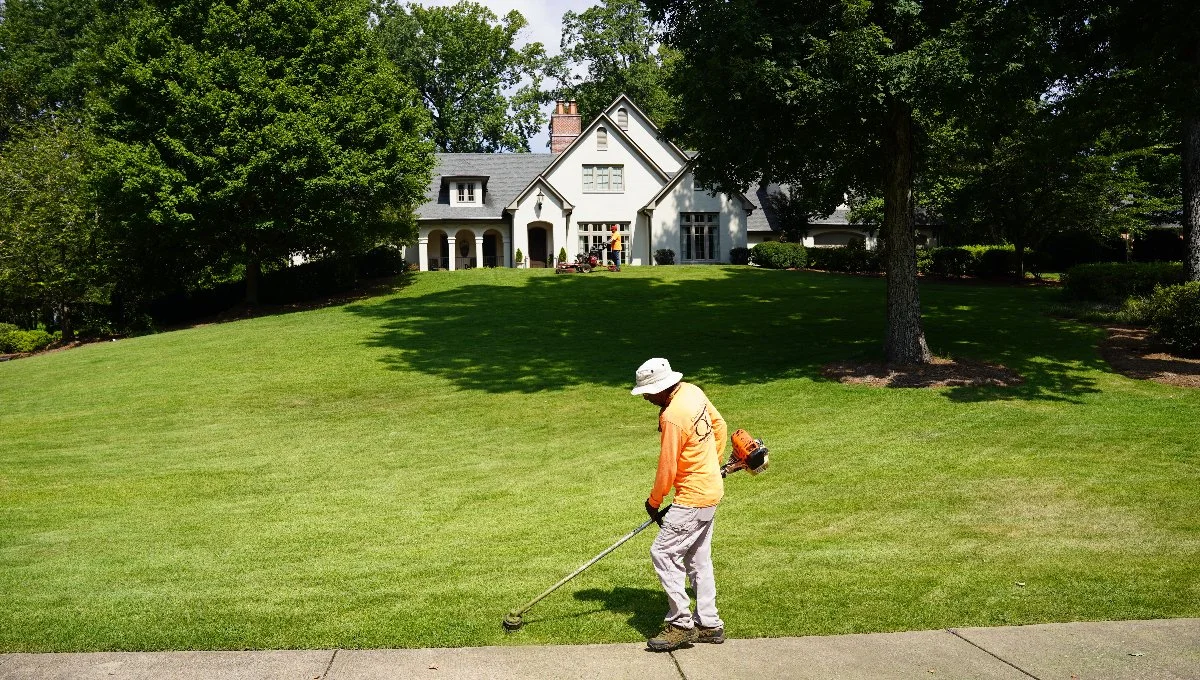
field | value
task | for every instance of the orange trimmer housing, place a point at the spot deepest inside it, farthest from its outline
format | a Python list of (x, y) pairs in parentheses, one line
[(747, 453)]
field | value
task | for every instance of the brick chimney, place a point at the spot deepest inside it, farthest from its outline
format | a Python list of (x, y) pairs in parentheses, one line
[(565, 125)]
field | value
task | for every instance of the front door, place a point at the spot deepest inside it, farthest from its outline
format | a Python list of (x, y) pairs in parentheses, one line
[(537, 247)]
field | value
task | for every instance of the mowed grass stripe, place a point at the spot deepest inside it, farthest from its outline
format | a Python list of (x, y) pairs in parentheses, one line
[(401, 471)]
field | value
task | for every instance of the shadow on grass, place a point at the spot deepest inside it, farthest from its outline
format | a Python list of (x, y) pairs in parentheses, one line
[(725, 326), (644, 606)]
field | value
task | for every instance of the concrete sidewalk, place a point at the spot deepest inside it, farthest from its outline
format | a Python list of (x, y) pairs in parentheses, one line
[(1145, 650)]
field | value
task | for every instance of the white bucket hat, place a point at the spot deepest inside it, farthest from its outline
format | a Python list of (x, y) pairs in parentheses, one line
[(654, 376)]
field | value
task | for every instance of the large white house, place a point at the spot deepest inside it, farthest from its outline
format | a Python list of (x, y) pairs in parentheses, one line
[(484, 209)]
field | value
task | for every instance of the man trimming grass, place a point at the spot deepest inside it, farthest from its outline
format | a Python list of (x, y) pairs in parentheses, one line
[(693, 439)]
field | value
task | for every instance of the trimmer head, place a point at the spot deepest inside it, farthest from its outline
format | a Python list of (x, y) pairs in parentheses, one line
[(513, 621)]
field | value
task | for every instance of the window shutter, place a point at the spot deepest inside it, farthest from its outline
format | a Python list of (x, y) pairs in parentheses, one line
[(623, 119), (602, 139)]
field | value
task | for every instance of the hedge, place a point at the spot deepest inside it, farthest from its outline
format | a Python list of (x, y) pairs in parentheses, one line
[(1115, 281), (664, 256), (739, 255), (852, 259), (778, 255)]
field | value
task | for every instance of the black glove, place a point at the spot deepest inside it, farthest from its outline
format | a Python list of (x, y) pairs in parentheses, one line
[(655, 513)]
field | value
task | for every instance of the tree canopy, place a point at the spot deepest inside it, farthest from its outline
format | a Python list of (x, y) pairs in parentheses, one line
[(483, 92), (621, 50), (844, 86), (247, 132)]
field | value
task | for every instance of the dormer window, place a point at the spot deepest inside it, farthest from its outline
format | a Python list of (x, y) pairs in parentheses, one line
[(601, 139), (466, 192), (623, 119)]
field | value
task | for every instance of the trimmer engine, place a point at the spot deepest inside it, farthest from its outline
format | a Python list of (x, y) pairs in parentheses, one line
[(748, 454)]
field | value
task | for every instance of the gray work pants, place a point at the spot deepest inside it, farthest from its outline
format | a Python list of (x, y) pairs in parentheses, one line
[(684, 548)]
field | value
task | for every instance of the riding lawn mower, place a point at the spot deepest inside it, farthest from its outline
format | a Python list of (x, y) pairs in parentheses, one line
[(584, 262)]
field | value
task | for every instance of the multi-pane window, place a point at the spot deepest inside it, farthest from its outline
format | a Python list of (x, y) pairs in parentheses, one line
[(466, 192), (604, 179), (602, 139), (698, 234), (593, 234)]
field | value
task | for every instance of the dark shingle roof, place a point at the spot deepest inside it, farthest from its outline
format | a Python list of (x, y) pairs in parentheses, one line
[(765, 218), (507, 174)]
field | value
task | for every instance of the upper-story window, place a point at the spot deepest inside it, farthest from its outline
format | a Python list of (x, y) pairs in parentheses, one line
[(466, 193), (602, 139), (603, 179), (623, 119)]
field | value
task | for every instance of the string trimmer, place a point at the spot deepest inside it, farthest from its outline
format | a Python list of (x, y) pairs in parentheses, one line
[(747, 454)]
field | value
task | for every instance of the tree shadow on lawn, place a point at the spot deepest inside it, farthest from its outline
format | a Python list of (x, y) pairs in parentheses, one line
[(644, 606), (744, 326)]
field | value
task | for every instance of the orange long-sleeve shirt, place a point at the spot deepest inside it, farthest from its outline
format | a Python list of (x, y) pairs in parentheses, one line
[(693, 442)]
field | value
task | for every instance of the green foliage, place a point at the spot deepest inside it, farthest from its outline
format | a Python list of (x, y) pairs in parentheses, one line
[(622, 52), (239, 135), (739, 255), (562, 254), (950, 262), (54, 257), (1114, 282), (483, 92), (519, 257), (779, 255), (23, 342), (853, 258), (44, 44), (664, 256), (1174, 316)]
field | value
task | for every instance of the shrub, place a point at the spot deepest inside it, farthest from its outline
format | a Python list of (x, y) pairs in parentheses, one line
[(1174, 314), (739, 255), (950, 261), (664, 256), (23, 342), (777, 255), (852, 258), (925, 261), (520, 257), (5, 330), (1114, 282), (562, 254), (992, 261)]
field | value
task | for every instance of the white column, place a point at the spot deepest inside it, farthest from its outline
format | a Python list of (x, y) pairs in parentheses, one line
[(478, 249), (503, 260), (453, 248), (423, 253)]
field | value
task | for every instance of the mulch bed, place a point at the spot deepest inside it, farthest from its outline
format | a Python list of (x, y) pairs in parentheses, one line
[(1133, 353), (940, 373)]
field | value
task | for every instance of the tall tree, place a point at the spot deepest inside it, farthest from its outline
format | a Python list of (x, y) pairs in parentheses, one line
[(831, 94), (41, 45), (54, 259), (483, 92), (246, 131), (1139, 61), (620, 49)]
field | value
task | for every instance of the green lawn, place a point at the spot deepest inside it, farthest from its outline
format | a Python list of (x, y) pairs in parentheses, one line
[(402, 471)]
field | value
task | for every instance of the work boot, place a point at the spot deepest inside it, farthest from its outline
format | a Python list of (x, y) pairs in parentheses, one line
[(713, 636), (671, 637)]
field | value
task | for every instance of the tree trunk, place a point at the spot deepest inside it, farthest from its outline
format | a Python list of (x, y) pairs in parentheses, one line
[(68, 329), (1191, 197), (1019, 247), (253, 274), (904, 342)]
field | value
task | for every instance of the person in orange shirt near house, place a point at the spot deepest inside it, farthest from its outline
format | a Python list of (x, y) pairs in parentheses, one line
[(614, 247), (692, 443)]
